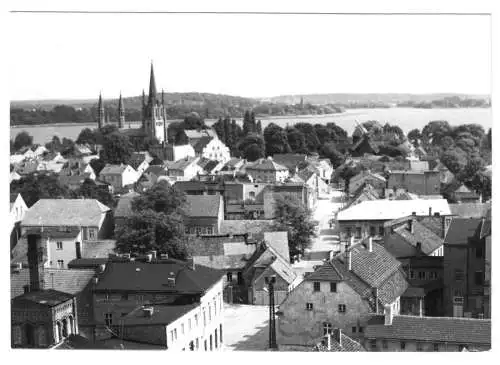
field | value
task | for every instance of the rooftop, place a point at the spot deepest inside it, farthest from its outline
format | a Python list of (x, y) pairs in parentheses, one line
[(181, 164), (49, 297), (113, 169), (265, 164), (392, 209), (429, 240), (124, 206), (433, 329), (470, 210), (65, 212), (203, 205), (461, 230), (163, 314)]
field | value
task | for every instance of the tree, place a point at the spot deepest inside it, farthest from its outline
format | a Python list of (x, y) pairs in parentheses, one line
[(116, 148), (97, 165), (276, 140), (247, 128), (55, 145), (181, 138), (434, 131), (90, 190), (330, 152), (193, 121), (347, 172), (296, 140), (293, 217), (86, 136), (455, 159), (259, 127), (67, 146), (23, 139), (414, 136), (156, 223), (311, 139), (12, 148), (252, 147), (35, 187)]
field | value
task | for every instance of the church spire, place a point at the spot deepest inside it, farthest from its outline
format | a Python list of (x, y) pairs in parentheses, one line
[(152, 87), (121, 112), (100, 112)]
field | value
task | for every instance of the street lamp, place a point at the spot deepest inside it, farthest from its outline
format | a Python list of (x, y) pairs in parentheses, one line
[(270, 281)]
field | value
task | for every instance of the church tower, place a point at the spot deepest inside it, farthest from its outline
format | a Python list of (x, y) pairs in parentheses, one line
[(121, 113), (100, 113), (154, 120)]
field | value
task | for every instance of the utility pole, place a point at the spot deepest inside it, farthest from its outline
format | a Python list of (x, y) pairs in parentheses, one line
[(270, 281)]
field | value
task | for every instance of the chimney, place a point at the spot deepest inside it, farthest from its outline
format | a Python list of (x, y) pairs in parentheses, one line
[(338, 335), (370, 244), (349, 259), (35, 262), (153, 254), (328, 344), (430, 211), (149, 257), (414, 213), (419, 247), (388, 315), (410, 225), (351, 241), (96, 280)]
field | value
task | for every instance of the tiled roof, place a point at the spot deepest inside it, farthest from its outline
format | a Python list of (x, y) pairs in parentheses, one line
[(265, 164), (202, 205), (181, 164), (279, 242), (124, 206), (413, 292), (347, 344), (290, 160), (470, 210), (461, 230), (433, 329), (162, 314), (65, 212), (192, 133), (133, 276), (428, 239), (393, 209), (139, 157), (326, 272), (202, 143), (47, 297), (113, 169), (283, 269), (156, 170), (255, 227)]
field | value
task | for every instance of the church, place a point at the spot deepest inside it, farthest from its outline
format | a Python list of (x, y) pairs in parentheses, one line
[(154, 117)]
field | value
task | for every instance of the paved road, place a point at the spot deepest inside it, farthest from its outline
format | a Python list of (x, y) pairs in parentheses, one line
[(246, 327)]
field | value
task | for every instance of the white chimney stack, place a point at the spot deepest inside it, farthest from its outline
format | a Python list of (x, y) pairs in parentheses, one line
[(338, 336), (349, 260), (370, 244), (328, 341), (352, 241), (389, 314)]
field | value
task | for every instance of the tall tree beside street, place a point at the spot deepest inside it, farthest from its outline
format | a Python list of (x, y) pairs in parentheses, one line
[(276, 140), (117, 148), (156, 223), (23, 139), (293, 217)]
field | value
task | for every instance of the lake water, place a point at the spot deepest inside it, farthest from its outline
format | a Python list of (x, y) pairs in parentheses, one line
[(405, 118)]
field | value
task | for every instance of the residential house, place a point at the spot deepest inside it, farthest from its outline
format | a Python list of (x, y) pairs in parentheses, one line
[(80, 150), (209, 167), (368, 217), (27, 167), (299, 191), (65, 226), (377, 181), (266, 170), (153, 173), (416, 182), (445, 175), (486, 235), (194, 136), (464, 269), (341, 293), (185, 169), (119, 176), (161, 302), (172, 152), (292, 161), (17, 159), (232, 166), (195, 187), (470, 210), (464, 195), (256, 228), (364, 193), (40, 151), (18, 209), (212, 148), (140, 161), (312, 181), (400, 333), (204, 214), (324, 168)]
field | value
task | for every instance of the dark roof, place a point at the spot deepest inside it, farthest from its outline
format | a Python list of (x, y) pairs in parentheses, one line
[(87, 263), (202, 143), (181, 164), (110, 169), (255, 227), (207, 165), (124, 206), (141, 276), (162, 315), (470, 210), (202, 205), (433, 329), (429, 240), (326, 272), (156, 170), (413, 292), (265, 164), (290, 160), (461, 230), (49, 297), (366, 139), (348, 345), (65, 212)]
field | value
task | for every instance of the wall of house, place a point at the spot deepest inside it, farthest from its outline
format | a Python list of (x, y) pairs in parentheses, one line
[(426, 183), (348, 228), (391, 345), (268, 175), (152, 334), (297, 325), (66, 254), (216, 150), (261, 296), (193, 223), (365, 178), (129, 176)]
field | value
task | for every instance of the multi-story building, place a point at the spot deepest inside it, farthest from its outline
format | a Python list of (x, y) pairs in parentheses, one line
[(66, 227), (465, 288), (212, 148), (204, 214), (377, 181), (185, 169), (119, 176), (161, 302), (266, 170), (415, 182), (341, 293)]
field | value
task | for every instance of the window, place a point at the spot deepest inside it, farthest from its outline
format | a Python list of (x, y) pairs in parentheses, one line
[(373, 231), (139, 297), (204, 318), (419, 347), (358, 232), (478, 278), (196, 320), (433, 275), (354, 329), (209, 312), (384, 344), (421, 275), (459, 274), (309, 306), (211, 346), (215, 307), (360, 329), (479, 252), (342, 308), (175, 333), (59, 245), (317, 286), (403, 345), (125, 296), (461, 347), (92, 234), (182, 328), (172, 336), (327, 328), (216, 338), (60, 264), (189, 324), (333, 287), (348, 232), (240, 278), (198, 230), (381, 230), (191, 346), (412, 274), (436, 347), (220, 333), (186, 230), (373, 344), (197, 343), (108, 319), (210, 230), (229, 277)]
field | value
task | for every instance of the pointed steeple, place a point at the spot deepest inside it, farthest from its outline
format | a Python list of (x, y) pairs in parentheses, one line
[(121, 112), (152, 87), (162, 97), (100, 112)]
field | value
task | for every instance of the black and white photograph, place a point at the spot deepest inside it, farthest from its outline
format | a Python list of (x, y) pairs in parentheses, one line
[(262, 179)]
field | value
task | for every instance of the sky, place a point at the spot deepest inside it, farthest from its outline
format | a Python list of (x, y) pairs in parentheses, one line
[(75, 56)]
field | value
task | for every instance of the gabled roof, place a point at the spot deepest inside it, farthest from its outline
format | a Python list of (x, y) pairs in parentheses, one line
[(140, 276), (455, 330), (290, 160), (470, 210), (124, 206), (463, 189), (283, 269), (138, 158), (326, 272), (113, 169), (462, 230), (255, 227), (202, 143), (429, 241), (65, 212), (156, 170), (279, 242), (265, 164), (181, 164), (393, 209), (202, 205), (163, 314)]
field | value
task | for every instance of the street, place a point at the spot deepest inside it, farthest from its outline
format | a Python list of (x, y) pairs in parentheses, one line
[(246, 327)]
